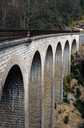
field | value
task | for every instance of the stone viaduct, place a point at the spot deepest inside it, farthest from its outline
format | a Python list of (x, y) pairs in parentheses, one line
[(31, 78)]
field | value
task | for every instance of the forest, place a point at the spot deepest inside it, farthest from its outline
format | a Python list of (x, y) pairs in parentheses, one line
[(39, 14)]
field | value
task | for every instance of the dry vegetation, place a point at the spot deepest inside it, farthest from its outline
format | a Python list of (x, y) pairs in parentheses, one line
[(67, 116)]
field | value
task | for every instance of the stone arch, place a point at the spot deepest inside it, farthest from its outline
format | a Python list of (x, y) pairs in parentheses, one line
[(66, 58), (35, 94), (48, 78), (58, 73), (74, 47), (12, 100)]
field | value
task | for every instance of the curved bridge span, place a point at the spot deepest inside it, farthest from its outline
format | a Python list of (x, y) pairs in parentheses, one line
[(31, 78)]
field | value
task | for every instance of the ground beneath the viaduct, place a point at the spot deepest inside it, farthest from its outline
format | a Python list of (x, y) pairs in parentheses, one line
[(64, 111)]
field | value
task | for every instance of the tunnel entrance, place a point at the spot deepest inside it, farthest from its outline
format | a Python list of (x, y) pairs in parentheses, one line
[(58, 73), (48, 78), (12, 100), (35, 94)]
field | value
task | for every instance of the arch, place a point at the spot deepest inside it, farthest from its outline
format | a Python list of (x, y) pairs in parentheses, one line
[(12, 100), (66, 63), (73, 47), (58, 73), (48, 78), (35, 93)]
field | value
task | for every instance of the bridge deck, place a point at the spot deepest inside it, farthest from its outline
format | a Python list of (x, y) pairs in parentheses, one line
[(24, 37), (15, 34)]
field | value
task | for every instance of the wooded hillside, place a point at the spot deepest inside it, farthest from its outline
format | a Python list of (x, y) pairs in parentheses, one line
[(39, 14)]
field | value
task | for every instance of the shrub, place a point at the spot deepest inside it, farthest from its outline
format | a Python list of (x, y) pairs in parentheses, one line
[(66, 119), (80, 106), (67, 80), (66, 84), (78, 93)]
